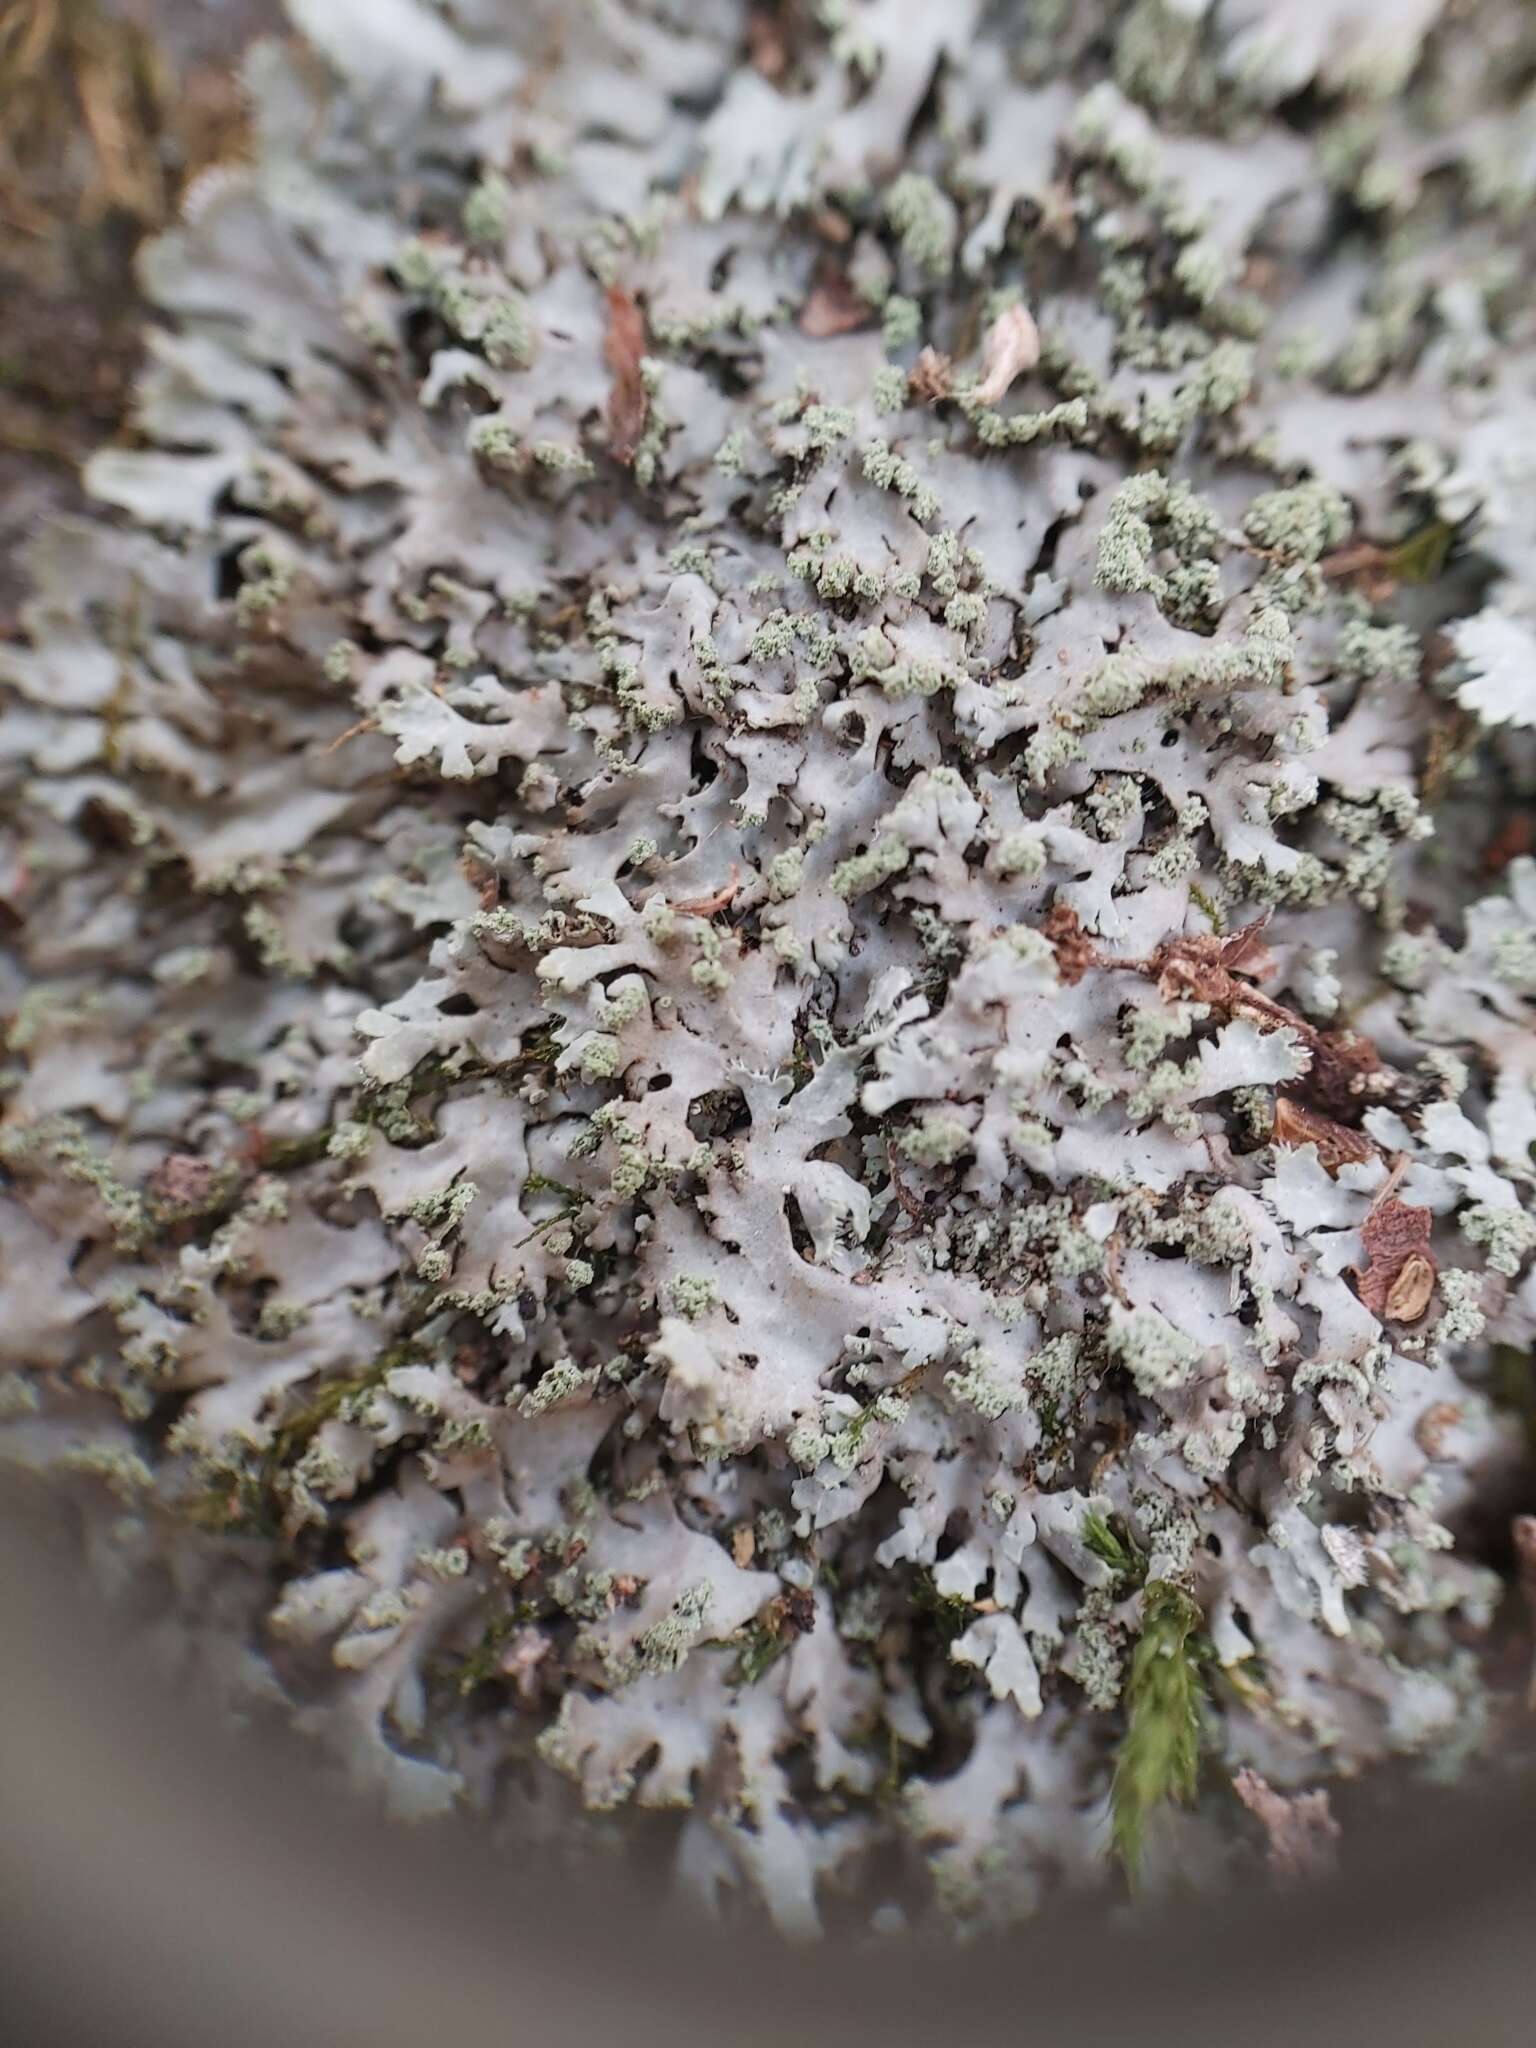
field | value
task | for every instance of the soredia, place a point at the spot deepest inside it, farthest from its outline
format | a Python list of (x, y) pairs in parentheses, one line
[(668, 1068)]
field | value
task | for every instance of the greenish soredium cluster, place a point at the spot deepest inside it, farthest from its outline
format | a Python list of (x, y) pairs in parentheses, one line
[(771, 955)]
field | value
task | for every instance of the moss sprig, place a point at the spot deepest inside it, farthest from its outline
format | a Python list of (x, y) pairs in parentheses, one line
[(1159, 1757)]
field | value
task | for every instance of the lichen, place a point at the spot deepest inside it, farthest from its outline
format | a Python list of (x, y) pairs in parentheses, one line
[(697, 867)]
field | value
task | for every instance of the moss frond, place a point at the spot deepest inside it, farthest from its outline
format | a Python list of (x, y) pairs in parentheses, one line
[(1159, 1757)]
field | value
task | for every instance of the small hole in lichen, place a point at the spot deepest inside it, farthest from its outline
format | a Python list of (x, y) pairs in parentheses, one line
[(719, 1113)]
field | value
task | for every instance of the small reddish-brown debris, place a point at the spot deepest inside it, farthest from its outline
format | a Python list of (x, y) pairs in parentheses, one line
[(906, 1200), (1509, 843), (1409, 1295), (1432, 1430), (623, 350), (1075, 951), (1300, 1826), (832, 306), (1245, 952), (931, 377), (1337, 1145), (182, 1180), (1188, 954), (1347, 1072), (1201, 968), (1011, 348), (799, 1609), (710, 906), (767, 48), (485, 882), (831, 225), (1399, 1278)]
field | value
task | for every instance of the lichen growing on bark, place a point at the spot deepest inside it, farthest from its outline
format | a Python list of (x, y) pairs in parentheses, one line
[(771, 971)]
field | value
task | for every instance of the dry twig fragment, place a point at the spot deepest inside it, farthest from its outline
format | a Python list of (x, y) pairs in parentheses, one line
[(708, 906)]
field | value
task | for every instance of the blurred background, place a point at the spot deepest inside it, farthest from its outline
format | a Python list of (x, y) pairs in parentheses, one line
[(171, 1882), (166, 1881), (107, 109)]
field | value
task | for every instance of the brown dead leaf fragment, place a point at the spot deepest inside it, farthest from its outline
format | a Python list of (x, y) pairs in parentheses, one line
[(1203, 967), (1346, 1074), (1075, 951), (1409, 1295), (1337, 1145), (1011, 348), (1347, 1071), (1300, 1827), (1245, 952), (623, 349), (833, 307), (1188, 970), (1399, 1277), (931, 377)]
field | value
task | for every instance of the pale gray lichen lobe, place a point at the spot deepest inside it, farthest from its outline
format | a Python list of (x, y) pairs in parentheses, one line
[(643, 1067)]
